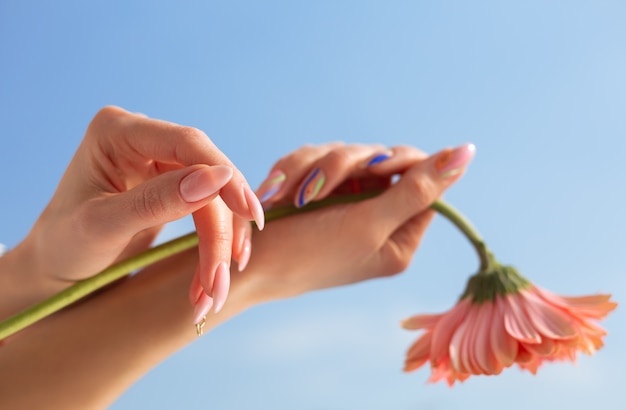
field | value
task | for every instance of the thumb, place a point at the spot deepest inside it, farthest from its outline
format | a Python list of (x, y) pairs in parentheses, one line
[(162, 199), (419, 187)]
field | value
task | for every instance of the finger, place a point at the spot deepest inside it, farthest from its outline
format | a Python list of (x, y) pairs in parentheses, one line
[(202, 308), (381, 167), (394, 160), (398, 251), (331, 170), (170, 143), (242, 242), (195, 289), (419, 187), (155, 202), (214, 225), (140, 242), (289, 170)]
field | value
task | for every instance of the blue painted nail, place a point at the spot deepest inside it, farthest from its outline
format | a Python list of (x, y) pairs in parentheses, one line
[(312, 186), (378, 159)]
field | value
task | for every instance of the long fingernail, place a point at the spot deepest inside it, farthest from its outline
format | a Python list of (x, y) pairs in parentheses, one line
[(221, 285), (377, 159), (271, 185), (255, 207), (204, 182), (244, 258), (454, 161), (312, 186), (202, 308)]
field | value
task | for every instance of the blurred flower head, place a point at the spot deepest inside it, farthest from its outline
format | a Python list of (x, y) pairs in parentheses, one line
[(502, 319)]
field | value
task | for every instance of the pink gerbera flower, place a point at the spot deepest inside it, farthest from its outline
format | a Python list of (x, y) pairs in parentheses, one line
[(503, 319)]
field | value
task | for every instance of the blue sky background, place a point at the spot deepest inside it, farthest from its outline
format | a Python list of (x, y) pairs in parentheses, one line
[(538, 86)]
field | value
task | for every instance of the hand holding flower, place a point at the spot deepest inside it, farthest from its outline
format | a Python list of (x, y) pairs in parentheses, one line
[(130, 175)]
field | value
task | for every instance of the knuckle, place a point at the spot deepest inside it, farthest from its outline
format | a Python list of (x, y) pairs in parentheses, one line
[(108, 114), (335, 144), (421, 190), (397, 265), (410, 151), (148, 204), (190, 134), (105, 120), (337, 158)]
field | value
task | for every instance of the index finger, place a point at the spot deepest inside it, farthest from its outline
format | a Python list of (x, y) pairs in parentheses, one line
[(179, 145)]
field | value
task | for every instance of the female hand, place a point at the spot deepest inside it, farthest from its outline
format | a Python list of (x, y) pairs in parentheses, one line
[(352, 242), (130, 175)]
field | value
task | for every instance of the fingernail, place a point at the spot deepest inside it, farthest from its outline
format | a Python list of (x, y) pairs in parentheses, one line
[(453, 162), (244, 258), (255, 207), (377, 159), (202, 308), (271, 185), (221, 285), (312, 186), (204, 182)]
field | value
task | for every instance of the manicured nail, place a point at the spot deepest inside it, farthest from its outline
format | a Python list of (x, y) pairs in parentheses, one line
[(221, 285), (377, 159), (271, 185), (244, 258), (256, 209), (204, 182), (202, 308), (312, 186), (454, 161)]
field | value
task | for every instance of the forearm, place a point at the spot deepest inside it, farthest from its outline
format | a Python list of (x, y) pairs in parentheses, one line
[(87, 355)]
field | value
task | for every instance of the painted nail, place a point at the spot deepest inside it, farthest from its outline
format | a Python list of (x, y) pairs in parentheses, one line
[(312, 186), (244, 258), (221, 285), (271, 185), (202, 308), (204, 182), (256, 209), (454, 161), (377, 159)]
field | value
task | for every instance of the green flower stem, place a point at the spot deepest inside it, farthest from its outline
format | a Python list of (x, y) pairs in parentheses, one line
[(486, 257), (87, 286)]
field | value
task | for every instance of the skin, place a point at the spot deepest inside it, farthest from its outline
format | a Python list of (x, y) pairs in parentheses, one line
[(129, 328), (123, 184)]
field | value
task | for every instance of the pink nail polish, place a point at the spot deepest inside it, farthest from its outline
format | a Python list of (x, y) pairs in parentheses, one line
[(255, 207), (244, 258), (204, 182), (271, 185), (221, 285), (202, 308), (453, 162)]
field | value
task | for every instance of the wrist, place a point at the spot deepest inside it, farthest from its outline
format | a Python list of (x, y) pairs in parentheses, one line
[(21, 286)]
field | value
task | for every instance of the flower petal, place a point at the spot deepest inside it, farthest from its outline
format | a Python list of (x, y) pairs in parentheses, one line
[(468, 358), (421, 321), (456, 349), (545, 348), (483, 352), (443, 331), (516, 322), (546, 318), (590, 306), (418, 354), (502, 343)]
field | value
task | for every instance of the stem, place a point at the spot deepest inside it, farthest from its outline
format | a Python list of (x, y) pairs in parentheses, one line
[(454, 216), (87, 286)]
